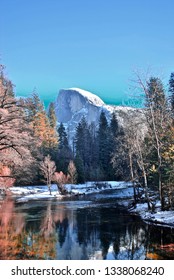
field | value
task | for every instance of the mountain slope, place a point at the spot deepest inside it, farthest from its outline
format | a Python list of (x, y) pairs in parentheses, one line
[(74, 103)]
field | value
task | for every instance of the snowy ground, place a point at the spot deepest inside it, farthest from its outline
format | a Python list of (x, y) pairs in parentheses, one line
[(158, 217), (24, 194)]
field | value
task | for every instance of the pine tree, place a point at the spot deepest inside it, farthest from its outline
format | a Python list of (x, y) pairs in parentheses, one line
[(171, 91), (80, 169), (42, 129), (80, 138), (94, 170), (103, 145), (113, 134), (32, 105), (83, 145), (155, 97), (63, 139), (114, 127), (64, 154), (52, 115)]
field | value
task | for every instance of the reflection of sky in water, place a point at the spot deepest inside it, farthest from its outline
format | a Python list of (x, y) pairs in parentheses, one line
[(92, 248)]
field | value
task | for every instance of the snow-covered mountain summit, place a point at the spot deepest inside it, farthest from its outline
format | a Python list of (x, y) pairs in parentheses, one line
[(92, 98), (74, 103)]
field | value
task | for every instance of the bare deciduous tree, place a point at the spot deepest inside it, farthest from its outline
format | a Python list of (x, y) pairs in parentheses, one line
[(16, 140), (48, 168), (158, 122), (135, 132), (72, 172)]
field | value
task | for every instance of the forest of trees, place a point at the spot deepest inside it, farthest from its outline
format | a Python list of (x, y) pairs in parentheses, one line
[(34, 149)]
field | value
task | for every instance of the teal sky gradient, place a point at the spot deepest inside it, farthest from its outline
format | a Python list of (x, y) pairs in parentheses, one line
[(94, 45)]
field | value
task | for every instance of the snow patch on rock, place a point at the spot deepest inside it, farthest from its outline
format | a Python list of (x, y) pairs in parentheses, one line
[(94, 99)]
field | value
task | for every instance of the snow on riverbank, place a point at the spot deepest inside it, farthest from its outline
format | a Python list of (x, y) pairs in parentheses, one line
[(125, 191), (95, 187), (24, 194), (157, 217)]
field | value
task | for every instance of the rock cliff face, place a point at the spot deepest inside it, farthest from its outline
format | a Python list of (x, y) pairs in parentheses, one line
[(74, 103)]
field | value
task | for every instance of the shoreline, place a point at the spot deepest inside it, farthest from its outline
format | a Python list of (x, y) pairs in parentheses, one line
[(125, 192)]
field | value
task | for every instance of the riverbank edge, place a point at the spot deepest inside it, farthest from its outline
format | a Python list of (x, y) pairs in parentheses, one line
[(157, 217)]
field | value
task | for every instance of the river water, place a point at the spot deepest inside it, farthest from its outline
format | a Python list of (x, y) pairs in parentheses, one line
[(89, 227)]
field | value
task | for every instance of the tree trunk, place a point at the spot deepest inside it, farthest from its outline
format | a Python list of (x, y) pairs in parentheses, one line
[(49, 188), (132, 176), (149, 204)]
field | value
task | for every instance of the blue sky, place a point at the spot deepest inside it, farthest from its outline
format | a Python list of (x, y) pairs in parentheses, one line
[(94, 44)]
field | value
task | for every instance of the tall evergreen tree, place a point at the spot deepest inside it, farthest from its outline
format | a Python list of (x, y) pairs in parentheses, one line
[(80, 138), (52, 115), (79, 164), (42, 129), (171, 91), (32, 105), (64, 154), (113, 134), (63, 139), (114, 127), (83, 143), (94, 170), (103, 144), (118, 165), (155, 97)]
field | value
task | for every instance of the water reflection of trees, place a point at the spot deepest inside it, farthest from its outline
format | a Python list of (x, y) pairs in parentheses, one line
[(31, 240), (60, 216), (11, 227), (19, 241), (41, 242), (101, 233), (55, 231), (114, 231), (123, 236), (160, 242)]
